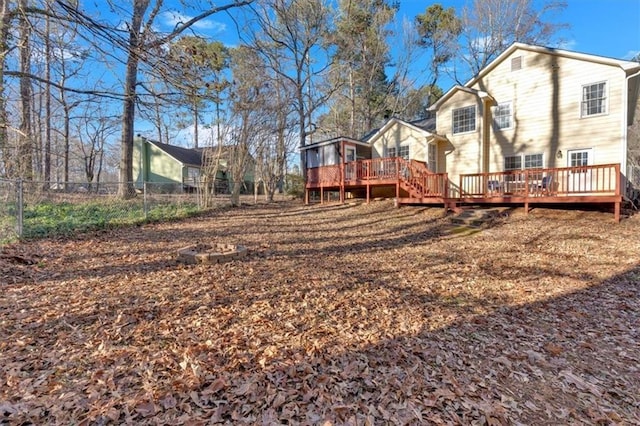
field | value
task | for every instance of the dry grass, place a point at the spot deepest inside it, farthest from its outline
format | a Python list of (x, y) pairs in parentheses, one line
[(341, 314)]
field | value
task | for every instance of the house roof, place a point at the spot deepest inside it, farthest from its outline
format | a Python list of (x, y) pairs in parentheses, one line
[(190, 156), (426, 126), (626, 66), (332, 141)]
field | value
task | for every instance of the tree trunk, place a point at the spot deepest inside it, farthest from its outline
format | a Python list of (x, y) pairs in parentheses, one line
[(125, 189), (5, 21), (25, 152), (47, 101)]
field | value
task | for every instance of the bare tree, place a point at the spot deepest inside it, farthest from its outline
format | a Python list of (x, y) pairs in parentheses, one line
[(94, 128), (490, 26), (247, 106), (141, 37), (292, 42), (6, 13)]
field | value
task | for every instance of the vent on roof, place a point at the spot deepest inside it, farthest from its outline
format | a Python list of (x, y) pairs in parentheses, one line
[(516, 63)]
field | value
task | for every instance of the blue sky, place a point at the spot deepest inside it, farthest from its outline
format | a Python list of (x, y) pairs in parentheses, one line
[(600, 27)]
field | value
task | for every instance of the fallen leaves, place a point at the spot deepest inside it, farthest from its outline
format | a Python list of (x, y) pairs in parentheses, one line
[(339, 315)]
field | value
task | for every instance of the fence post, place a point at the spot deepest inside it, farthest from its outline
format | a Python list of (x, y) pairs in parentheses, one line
[(145, 200), (20, 208)]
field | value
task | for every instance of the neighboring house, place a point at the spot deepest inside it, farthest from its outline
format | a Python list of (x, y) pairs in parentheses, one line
[(535, 107), (157, 162), (537, 125)]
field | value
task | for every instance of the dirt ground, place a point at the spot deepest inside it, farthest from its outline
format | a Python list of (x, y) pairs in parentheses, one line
[(340, 314)]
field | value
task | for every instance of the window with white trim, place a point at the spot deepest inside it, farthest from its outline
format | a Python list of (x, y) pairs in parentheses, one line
[(404, 152), (513, 162), (502, 115), (391, 152), (594, 99), (579, 159), (464, 119), (534, 161)]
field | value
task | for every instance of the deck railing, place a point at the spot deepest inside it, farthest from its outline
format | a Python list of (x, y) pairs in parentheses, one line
[(602, 179), (412, 175)]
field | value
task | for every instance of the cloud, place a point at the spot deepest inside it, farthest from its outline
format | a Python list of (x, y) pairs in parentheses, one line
[(172, 19)]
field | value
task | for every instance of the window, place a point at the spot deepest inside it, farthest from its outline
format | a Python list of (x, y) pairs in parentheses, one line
[(533, 161), (594, 99), (391, 152), (579, 159), (502, 115), (350, 154), (513, 162), (464, 119), (404, 152), (193, 174)]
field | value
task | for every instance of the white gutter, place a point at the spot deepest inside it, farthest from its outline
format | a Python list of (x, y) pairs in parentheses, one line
[(625, 126)]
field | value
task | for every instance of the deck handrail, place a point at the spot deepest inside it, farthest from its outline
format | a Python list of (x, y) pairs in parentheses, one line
[(412, 175), (596, 179)]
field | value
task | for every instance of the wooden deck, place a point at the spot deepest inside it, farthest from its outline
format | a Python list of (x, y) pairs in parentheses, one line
[(415, 184)]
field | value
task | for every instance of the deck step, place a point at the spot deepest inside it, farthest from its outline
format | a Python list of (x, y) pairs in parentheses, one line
[(475, 217)]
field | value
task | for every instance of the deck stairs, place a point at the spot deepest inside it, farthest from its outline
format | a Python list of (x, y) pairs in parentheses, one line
[(476, 217), (470, 221), (412, 181)]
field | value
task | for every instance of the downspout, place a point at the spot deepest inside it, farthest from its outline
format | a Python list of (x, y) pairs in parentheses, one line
[(625, 125)]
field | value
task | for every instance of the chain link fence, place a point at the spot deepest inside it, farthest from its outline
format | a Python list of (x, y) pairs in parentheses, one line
[(41, 209)]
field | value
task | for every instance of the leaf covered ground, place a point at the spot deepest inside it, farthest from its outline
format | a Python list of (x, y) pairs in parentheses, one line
[(340, 314)]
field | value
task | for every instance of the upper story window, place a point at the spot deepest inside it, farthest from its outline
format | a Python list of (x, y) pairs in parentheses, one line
[(464, 119), (502, 115), (594, 99)]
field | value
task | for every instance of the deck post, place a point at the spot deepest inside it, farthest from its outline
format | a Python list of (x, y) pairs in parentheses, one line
[(616, 206), (369, 166), (397, 177), (342, 171), (306, 196), (321, 194)]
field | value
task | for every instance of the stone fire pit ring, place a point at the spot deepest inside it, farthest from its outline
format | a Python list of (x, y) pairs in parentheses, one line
[(211, 253)]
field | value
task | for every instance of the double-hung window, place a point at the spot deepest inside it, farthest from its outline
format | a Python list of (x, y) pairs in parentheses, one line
[(512, 162), (391, 152), (502, 115), (525, 161), (533, 161), (594, 99), (464, 119), (404, 152)]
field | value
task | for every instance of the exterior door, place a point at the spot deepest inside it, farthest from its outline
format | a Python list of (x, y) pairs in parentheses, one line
[(579, 177), (350, 157), (432, 151)]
